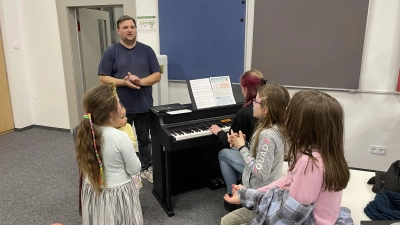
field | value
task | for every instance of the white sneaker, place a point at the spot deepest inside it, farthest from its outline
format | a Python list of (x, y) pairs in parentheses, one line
[(147, 174)]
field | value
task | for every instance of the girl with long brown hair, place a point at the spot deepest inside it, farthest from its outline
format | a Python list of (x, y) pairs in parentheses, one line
[(230, 161), (263, 157), (318, 171), (107, 159)]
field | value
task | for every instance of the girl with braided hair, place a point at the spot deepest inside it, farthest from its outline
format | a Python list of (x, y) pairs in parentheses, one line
[(107, 161)]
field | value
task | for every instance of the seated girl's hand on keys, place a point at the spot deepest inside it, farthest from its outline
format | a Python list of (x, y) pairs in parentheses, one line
[(214, 129)]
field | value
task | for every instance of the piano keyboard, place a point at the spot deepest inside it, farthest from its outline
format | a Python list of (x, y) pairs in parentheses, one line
[(196, 130)]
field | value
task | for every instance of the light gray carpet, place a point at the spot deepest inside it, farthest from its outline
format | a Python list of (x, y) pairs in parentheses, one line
[(39, 185)]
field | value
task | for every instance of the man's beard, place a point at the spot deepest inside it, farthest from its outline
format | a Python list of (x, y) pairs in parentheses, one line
[(130, 41)]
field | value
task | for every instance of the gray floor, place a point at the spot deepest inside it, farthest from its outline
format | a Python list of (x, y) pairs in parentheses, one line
[(39, 184)]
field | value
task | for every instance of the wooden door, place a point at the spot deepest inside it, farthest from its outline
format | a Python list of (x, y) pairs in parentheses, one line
[(6, 117)]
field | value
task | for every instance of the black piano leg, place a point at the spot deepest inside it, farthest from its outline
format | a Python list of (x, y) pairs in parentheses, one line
[(164, 205), (168, 182), (161, 178)]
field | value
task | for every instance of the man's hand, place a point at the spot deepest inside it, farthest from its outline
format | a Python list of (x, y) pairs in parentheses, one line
[(134, 79), (129, 83), (215, 129)]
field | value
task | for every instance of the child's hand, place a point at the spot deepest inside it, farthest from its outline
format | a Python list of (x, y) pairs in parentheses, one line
[(239, 140), (237, 187), (233, 200), (231, 137), (214, 129)]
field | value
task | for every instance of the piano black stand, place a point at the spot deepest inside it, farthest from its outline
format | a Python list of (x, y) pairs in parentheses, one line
[(186, 164)]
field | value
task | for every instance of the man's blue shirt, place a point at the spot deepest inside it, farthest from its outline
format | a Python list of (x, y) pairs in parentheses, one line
[(117, 61)]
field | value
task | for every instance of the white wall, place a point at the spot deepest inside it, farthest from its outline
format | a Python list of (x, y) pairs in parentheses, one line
[(44, 62), (381, 48), (36, 70), (18, 80), (149, 8)]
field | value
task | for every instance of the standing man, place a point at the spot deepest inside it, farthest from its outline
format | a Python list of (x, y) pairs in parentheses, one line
[(133, 67)]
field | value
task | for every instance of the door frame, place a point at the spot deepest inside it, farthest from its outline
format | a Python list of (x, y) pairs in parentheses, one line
[(70, 48)]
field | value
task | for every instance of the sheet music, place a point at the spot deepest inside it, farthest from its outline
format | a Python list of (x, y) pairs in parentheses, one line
[(203, 93), (222, 90)]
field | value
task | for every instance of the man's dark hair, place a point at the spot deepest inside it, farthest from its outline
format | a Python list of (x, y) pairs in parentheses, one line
[(123, 18)]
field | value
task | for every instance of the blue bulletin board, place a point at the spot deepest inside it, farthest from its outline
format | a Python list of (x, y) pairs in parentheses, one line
[(203, 38)]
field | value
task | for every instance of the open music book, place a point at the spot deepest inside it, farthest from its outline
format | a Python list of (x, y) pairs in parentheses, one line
[(211, 92)]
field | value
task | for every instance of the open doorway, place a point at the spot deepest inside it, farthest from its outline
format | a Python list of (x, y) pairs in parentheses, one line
[(87, 28), (96, 31)]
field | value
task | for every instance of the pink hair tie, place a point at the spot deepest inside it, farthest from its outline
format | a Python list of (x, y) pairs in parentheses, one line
[(101, 178)]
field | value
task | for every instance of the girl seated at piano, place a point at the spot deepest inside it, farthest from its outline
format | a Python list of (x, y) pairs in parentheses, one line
[(258, 163), (244, 120)]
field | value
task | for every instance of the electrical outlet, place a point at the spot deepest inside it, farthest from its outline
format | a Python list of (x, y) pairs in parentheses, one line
[(379, 150)]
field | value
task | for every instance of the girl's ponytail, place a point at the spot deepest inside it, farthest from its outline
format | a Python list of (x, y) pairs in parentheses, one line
[(88, 156)]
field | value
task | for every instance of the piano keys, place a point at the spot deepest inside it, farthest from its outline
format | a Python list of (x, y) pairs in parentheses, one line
[(184, 151), (195, 130)]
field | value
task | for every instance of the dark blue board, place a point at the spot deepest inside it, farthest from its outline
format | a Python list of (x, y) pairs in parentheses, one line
[(202, 38)]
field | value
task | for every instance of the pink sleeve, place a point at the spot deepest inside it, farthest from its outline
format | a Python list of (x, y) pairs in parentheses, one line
[(277, 183), (307, 182)]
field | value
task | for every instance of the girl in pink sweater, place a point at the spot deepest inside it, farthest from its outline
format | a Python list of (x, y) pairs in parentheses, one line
[(318, 171)]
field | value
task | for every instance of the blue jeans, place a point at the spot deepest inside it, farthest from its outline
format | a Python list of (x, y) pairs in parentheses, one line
[(142, 126), (232, 165)]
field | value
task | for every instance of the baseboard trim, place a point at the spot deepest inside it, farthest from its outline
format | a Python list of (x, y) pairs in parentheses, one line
[(23, 129), (7, 132), (361, 169), (41, 127)]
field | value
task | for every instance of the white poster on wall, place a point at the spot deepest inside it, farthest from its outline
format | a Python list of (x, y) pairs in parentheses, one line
[(146, 24)]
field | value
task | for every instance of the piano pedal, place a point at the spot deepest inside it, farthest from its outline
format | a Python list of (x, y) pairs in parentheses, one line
[(216, 183)]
